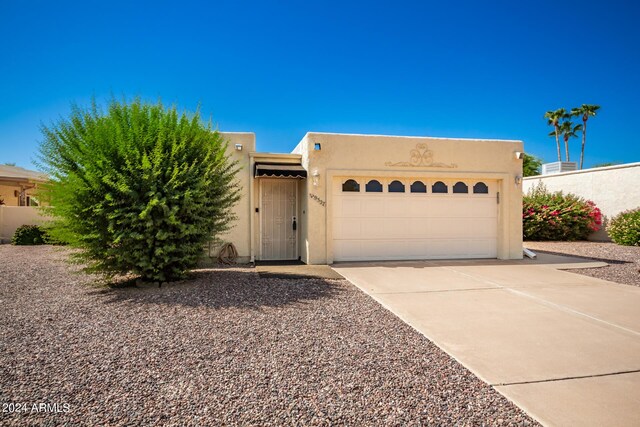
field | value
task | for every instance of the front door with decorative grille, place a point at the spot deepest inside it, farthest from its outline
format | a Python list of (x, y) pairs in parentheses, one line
[(278, 219)]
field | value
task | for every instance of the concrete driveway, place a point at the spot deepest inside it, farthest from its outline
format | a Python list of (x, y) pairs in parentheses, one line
[(562, 346)]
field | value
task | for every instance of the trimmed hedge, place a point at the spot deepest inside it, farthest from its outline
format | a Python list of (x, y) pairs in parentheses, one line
[(558, 216), (624, 228), (29, 235)]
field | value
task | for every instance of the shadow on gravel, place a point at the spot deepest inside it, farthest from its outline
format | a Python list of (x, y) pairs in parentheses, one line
[(608, 261), (224, 289)]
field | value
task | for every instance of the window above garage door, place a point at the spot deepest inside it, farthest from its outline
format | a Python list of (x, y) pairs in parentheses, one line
[(413, 185)]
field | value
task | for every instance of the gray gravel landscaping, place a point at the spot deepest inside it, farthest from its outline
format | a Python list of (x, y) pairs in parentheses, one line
[(624, 261), (223, 348)]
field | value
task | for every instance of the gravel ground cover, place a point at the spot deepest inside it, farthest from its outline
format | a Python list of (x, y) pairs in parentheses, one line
[(624, 261), (223, 348)]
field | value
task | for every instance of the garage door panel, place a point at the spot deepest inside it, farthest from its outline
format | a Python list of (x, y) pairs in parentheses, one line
[(454, 228), (395, 248), (483, 207), (419, 207), (482, 248), (379, 226), (373, 206), (397, 207), (345, 249), (418, 227), (348, 228), (371, 249), (438, 207), (417, 248), (483, 228), (350, 207), (396, 229), (446, 248)]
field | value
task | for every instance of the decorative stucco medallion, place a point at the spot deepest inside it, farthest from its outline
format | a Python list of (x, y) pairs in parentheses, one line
[(421, 156)]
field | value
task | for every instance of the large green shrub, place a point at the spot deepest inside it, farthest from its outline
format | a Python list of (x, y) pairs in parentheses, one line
[(624, 228), (139, 188), (558, 216), (29, 235)]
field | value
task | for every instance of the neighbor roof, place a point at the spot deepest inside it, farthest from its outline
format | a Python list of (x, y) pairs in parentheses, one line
[(16, 173)]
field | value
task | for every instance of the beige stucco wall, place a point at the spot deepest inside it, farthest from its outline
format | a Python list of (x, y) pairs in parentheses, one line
[(12, 217), (613, 189), (7, 194), (240, 233), (371, 155)]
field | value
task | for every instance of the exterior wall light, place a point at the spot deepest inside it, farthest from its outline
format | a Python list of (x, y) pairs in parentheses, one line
[(315, 177), (239, 147), (519, 155), (518, 179)]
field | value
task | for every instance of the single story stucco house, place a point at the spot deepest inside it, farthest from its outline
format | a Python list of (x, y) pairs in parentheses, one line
[(343, 197)]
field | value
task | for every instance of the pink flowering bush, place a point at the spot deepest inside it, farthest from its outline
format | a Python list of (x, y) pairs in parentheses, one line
[(624, 228), (558, 216)]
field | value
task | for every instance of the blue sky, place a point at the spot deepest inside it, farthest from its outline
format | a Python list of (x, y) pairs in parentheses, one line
[(485, 69)]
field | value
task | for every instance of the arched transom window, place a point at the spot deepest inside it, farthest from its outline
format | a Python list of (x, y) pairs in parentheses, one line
[(396, 187), (439, 187), (480, 188), (350, 185), (373, 186)]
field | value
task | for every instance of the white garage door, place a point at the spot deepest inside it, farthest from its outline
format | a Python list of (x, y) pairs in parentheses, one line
[(392, 219)]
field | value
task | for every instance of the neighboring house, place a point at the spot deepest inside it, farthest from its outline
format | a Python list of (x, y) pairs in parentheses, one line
[(341, 197), (18, 191), (18, 186), (613, 189)]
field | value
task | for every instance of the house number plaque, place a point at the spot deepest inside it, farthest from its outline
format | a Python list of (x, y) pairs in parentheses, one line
[(317, 199)]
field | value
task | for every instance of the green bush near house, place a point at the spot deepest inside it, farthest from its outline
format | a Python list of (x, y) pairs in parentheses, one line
[(624, 228), (531, 165), (558, 216), (138, 188), (29, 235)]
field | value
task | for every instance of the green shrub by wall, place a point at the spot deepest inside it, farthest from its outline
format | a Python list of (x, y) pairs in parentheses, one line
[(624, 228), (558, 216), (29, 235)]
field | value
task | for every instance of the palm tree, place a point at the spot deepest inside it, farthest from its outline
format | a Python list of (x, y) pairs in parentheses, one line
[(585, 111), (568, 130), (553, 119)]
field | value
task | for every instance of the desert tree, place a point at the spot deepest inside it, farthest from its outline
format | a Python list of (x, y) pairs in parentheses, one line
[(138, 188)]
